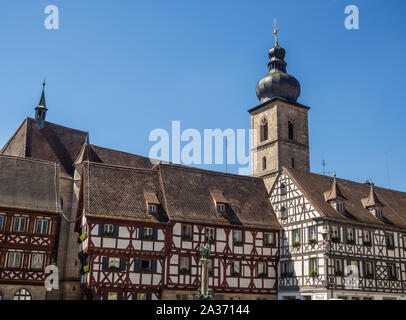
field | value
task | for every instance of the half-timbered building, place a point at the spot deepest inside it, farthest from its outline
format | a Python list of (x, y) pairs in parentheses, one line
[(140, 231), (341, 239), (29, 211)]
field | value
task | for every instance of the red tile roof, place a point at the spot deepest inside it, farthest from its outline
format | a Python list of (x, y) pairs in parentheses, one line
[(314, 186)]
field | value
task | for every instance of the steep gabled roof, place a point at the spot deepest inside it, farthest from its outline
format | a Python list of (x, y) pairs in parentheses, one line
[(314, 185), (188, 192), (183, 194), (118, 192), (29, 184), (334, 193), (52, 143), (372, 199)]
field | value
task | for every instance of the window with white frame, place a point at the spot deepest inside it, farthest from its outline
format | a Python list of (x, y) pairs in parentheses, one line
[(262, 268), (369, 271), (42, 226), (366, 236), (19, 224), (286, 269), (184, 264), (269, 239), (187, 232), (210, 235), (152, 208), (404, 242), (114, 263), (295, 237), (392, 271), (235, 268), (390, 241), (338, 265), (335, 231), (108, 229), (350, 235), (313, 266), (237, 237), (378, 213), (284, 213), (221, 207), (340, 207), (14, 259), (148, 232), (312, 233), (283, 189), (37, 260), (1, 222), (22, 294)]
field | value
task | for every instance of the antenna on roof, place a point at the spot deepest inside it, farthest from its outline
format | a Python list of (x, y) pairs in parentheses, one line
[(387, 168), (324, 164), (226, 154)]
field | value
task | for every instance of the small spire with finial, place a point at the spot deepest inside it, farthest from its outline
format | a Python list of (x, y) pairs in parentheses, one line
[(275, 31)]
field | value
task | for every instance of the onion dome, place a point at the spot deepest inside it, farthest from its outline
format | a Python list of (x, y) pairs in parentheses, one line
[(277, 83)]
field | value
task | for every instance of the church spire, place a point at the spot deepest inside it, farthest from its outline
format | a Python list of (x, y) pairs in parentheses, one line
[(41, 109)]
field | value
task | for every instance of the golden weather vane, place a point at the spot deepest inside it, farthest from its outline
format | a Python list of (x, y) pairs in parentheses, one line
[(275, 31)]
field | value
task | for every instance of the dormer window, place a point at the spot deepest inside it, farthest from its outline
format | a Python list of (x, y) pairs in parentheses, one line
[(220, 201), (152, 201), (152, 208), (340, 207), (221, 207), (376, 211)]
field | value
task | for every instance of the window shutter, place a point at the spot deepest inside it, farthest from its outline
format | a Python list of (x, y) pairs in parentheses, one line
[(105, 295), (137, 265), (116, 228), (154, 265), (105, 263), (101, 229), (149, 296), (119, 296), (123, 264), (141, 233), (155, 233)]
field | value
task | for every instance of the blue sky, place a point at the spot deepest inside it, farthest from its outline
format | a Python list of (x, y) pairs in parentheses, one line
[(120, 69)]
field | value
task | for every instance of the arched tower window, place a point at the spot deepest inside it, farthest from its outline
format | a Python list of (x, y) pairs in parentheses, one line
[(293, 163), (264, 129), (291, 129), (264, 163)]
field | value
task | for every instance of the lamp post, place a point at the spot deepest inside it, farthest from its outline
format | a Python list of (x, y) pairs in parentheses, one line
[(204, 293), (327, 254)]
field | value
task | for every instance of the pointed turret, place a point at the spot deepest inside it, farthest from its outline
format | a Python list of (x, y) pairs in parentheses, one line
[(335, 192), (372, 200), (41, 109)]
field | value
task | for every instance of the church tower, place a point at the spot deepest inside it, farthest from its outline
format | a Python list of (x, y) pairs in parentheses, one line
[(280, 122), (41, 109)]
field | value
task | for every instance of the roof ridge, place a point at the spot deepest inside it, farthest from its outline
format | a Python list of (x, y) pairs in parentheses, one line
[(129, 153), (343, 179), (188, 168), (61, 126), (29, 159), (114, 166)]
